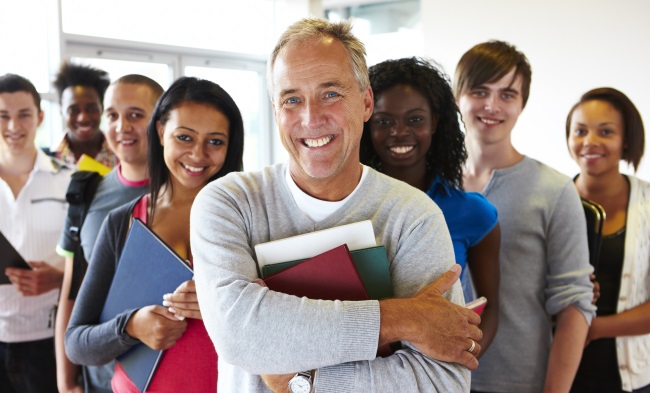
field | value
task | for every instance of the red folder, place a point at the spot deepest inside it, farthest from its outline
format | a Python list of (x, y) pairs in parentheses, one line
[(327, 276)]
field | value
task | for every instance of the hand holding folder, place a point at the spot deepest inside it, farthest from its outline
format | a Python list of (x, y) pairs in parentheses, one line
[(9, 257), (148, 269)]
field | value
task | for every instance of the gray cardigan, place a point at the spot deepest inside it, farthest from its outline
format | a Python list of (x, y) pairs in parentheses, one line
[(258, 331)]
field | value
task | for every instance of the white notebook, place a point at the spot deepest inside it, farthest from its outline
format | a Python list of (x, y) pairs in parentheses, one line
[(357, 236)]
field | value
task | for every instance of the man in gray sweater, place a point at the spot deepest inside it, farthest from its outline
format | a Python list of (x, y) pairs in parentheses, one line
[(544, 257), (269, 341)]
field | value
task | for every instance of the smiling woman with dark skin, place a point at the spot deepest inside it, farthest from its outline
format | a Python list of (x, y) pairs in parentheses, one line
[(602, 129), (196, 135), (414, 135)]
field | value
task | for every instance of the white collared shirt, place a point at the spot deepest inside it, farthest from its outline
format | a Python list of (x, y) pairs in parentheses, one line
[(32, 222)]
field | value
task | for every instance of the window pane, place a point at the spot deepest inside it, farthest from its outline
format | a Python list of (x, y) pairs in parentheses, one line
[(24, 41), (244, 87), (242, 26), (50, 132), (161, 73)]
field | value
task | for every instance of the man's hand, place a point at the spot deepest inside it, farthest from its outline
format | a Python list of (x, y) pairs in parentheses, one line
[(183, 302), (437, 327), (156, 327), (40, 279)]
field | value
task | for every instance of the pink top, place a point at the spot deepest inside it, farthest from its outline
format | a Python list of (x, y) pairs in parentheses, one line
[(127, 182), (189, 366)]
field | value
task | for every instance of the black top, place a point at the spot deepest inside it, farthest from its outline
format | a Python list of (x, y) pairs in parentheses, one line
[(598, 371)]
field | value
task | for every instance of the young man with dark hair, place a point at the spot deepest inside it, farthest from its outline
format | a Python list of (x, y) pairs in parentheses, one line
[(544, 256), (32, 206), (129, 103), (81, 93)]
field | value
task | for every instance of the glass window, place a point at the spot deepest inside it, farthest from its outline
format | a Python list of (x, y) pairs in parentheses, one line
[(25, 41), (161, 73), (247, 90), (388, 29), (242, 26)]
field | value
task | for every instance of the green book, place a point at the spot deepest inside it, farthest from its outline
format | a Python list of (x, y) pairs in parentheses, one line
[(371, 264)]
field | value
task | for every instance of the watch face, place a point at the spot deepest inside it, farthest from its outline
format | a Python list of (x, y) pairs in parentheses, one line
[(299, 384)]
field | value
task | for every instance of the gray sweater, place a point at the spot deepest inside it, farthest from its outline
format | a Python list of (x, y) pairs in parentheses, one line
[(258, 331), (544, 268)]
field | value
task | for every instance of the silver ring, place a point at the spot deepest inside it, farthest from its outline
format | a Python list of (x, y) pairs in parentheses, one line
[(472, 347)]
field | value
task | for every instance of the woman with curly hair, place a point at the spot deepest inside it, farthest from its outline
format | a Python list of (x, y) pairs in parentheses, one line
[(414, 135)]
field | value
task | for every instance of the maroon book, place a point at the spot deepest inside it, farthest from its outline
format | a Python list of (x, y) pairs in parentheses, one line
[(327, 276)]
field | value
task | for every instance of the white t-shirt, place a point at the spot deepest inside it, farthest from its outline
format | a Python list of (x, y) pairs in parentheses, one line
[(317, 209)]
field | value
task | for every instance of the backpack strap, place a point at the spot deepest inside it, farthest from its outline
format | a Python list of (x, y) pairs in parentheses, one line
[(80, 194)]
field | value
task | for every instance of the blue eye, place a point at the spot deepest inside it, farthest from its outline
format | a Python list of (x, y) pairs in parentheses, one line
[(291, 100), (331, 94)]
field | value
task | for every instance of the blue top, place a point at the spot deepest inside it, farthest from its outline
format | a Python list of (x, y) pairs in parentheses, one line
[(469, 215)]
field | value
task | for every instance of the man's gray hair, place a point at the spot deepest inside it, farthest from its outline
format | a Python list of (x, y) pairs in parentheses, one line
[(309, 29)]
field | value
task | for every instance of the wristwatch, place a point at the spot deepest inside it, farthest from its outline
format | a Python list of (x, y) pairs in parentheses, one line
[(301, 382)]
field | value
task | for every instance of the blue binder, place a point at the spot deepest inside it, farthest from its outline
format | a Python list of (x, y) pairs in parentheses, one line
[(148, 269)]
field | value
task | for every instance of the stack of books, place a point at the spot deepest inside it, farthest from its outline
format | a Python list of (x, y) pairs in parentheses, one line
[(340, 263)]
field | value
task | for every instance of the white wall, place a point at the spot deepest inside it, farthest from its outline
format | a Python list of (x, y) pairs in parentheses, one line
[(573, 46)]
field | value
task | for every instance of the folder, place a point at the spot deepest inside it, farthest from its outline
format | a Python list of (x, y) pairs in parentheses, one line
[(10, 257), (357, 235), (87, 163), (371, 264), (148, 269)]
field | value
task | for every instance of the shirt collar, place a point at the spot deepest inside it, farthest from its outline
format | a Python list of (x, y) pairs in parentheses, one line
[(46, 163), (439, 184)]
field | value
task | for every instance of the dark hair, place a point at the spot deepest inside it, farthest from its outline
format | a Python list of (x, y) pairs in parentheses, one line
[(633, 131), (12, 83), (487, 63), (81, 75), (313, 28), (137, 79), (447, 153), (200, 91)]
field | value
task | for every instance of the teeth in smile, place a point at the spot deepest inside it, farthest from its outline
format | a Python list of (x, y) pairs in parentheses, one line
[(194, 169), (318, 142), (401, 149), (591, 155), (490, 121), (129, 142)]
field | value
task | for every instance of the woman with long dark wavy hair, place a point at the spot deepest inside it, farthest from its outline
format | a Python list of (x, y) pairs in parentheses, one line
[(414, 135), (196, 135)]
